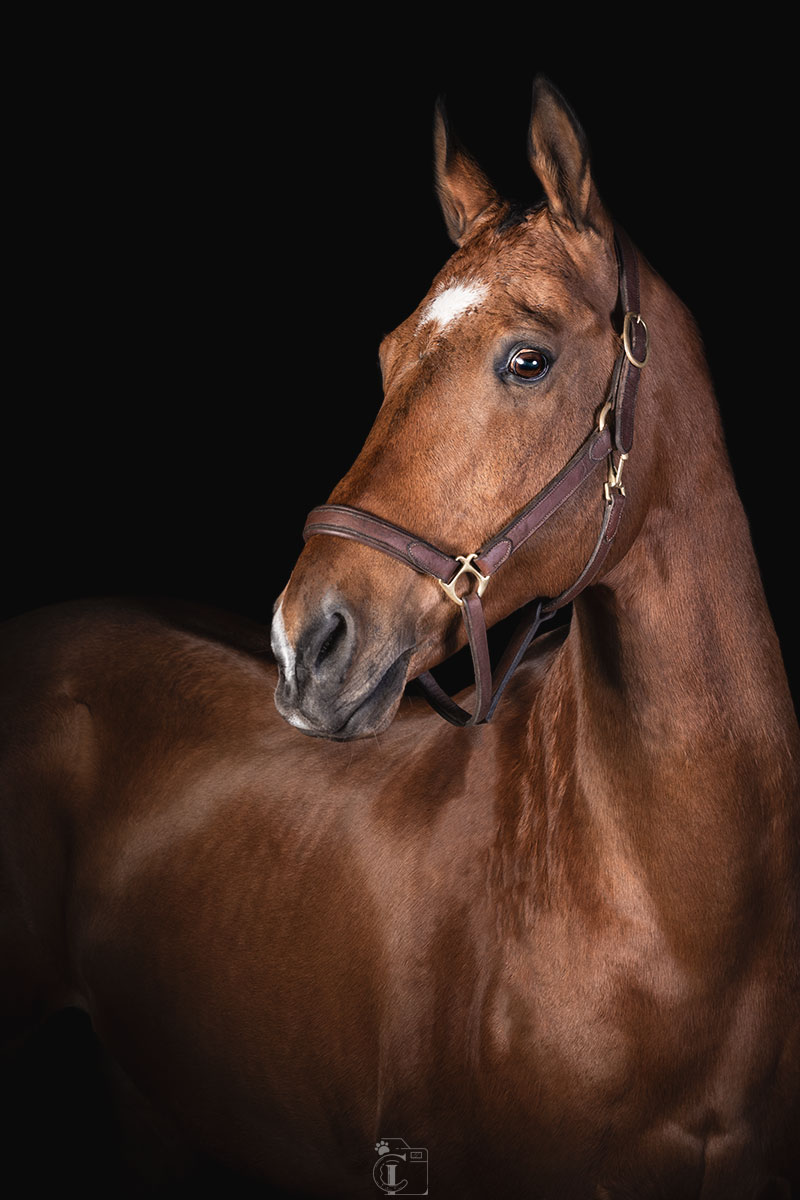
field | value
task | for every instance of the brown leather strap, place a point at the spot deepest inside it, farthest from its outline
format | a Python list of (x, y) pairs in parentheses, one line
[(592, 454), (627, 382), (608, 531), (343, 521), (628, 271), (489, 685), (475, 624)]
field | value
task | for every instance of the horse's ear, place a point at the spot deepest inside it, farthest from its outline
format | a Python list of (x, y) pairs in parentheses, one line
[(465, 193), (559, 154)]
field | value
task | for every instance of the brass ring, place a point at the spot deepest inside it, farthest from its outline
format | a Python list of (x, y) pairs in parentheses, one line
[(630, 317)]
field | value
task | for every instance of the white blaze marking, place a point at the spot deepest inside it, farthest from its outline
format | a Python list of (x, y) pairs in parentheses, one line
[(282, 649), (281, 646), (453, 302)]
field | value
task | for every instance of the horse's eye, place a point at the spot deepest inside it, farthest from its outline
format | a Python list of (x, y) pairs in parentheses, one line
[(528, 364)]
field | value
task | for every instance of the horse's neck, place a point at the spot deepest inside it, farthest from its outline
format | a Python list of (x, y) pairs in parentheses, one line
[(679, 744), (677, 646), (676, 652)]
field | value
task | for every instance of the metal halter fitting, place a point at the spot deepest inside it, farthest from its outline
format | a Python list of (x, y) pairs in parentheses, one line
[(600, 448), (467, 568)]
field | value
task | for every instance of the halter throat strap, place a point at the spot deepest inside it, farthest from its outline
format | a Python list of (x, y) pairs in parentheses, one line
[(613, 434)]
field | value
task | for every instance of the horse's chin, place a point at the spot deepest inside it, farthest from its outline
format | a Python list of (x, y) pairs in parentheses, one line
[(371, 713)]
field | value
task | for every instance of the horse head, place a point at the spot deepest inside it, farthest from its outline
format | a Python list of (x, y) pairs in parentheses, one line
[(489, 387)]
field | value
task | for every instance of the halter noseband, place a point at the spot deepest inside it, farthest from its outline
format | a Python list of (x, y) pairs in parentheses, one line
[(343, 521)]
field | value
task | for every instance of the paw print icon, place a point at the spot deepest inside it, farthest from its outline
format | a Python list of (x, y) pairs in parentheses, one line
[(401, 1169)]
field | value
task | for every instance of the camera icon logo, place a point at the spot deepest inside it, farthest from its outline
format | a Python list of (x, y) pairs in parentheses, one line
[(401, 1170)]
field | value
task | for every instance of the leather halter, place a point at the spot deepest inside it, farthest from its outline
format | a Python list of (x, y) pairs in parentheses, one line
[(341, 520)]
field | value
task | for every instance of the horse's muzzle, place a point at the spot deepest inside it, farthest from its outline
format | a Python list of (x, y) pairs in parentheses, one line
[(329, 684)]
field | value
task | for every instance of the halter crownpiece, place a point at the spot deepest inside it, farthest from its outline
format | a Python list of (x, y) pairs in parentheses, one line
[(341, 520)]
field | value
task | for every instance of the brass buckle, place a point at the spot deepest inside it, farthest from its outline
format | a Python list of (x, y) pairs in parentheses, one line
[(614, 477), (466, 569), (630, 318), (604, 411)]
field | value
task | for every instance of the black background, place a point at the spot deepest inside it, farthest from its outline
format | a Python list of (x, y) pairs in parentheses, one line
[(218, 224), (215, 225)]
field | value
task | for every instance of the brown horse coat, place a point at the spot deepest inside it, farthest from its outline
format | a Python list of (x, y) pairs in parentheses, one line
[(559, 951)]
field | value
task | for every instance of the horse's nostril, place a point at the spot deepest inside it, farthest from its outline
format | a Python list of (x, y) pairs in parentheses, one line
[(333, 638)]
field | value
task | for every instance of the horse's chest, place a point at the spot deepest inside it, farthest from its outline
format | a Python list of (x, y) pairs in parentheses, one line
[(548, 1024), (528, 1048), (339, 997)]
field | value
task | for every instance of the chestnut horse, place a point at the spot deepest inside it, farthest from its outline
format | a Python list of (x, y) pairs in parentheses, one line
[(550, 954)]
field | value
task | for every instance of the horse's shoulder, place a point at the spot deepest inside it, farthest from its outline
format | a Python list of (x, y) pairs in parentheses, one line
[(61, 636), (130, 668)]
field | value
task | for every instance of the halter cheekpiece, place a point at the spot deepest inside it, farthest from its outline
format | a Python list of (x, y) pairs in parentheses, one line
[(478, 568)]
